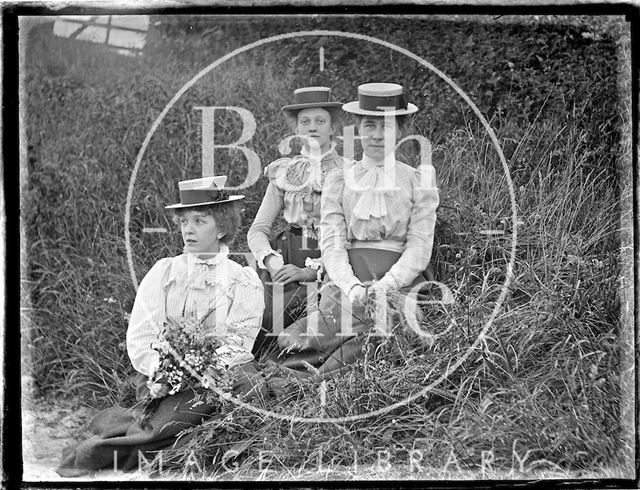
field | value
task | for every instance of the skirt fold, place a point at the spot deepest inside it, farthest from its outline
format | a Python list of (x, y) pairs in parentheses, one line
[(295, 249), (120, 438), (337, 320)]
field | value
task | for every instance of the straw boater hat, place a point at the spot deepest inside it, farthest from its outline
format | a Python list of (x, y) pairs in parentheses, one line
[(309, 97), (203, 192), (380, 99)]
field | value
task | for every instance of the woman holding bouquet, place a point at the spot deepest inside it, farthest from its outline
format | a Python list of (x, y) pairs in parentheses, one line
[(295, 186), (378, 219), (202, 299)]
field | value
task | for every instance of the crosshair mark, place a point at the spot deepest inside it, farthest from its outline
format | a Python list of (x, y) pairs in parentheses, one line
[(509, 276), (155, 230)]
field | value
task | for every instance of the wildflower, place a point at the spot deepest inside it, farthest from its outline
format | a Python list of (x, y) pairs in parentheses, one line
[(187, 357)]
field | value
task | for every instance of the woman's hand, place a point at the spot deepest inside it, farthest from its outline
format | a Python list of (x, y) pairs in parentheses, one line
[(377, 291), (290, 273), (383, 287), (159, 390), (357, 294)]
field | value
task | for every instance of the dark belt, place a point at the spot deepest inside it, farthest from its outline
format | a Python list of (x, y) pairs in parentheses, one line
[(297, 231)]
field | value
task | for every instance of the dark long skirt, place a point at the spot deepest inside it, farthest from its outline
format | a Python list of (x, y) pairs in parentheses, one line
[(335, 308), (119, 439), (279, 314)]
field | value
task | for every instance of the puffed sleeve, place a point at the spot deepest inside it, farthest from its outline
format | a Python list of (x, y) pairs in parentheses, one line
[(272, 204), (147, 318), (422, 221), (333, 233), (244, 318)]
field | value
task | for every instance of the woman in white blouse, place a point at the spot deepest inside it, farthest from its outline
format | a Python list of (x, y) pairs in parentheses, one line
[(201, 284), (295, 185), (378, 219)]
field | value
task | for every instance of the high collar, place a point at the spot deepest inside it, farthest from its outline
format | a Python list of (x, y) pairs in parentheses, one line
[(327, 155), (376, 181), (193, 259), (370, 163), (195, 272)]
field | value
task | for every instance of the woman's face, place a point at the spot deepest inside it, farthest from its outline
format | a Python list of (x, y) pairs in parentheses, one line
[(316, 123), (199, 232), (379, 136)]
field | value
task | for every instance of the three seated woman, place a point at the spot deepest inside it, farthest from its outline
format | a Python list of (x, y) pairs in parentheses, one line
[(363, 227)]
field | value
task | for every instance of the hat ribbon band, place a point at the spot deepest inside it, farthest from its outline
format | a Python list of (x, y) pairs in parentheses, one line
[(377, 103), (199, 196), (311, 97)]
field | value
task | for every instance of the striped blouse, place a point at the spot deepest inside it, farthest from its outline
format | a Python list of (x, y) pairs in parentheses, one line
[(367, 205), (186, 287)]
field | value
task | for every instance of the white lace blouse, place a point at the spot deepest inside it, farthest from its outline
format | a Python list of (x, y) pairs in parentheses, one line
[(186, 287), (295, 185)]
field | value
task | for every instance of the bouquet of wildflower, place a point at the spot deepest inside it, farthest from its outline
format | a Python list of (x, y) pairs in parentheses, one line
[(190, 357)]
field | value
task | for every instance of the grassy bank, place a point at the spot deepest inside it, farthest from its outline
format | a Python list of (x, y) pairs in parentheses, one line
[(548, 376)]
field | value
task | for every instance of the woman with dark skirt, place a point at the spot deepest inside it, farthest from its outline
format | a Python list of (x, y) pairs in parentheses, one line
[(377, 228), (295, 185), (203, 287)]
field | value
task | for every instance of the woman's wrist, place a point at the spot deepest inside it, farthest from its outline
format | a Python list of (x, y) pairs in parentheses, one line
[(264, 256), (273, 262)]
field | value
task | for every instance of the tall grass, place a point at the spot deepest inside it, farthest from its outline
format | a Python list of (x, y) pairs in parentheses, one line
[(544, 380), (547, 376)]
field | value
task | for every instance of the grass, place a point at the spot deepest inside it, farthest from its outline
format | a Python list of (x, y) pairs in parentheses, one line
[(543, 380), (548, 376)]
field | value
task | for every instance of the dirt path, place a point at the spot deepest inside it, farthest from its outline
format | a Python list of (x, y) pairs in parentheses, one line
[(47, 427)]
